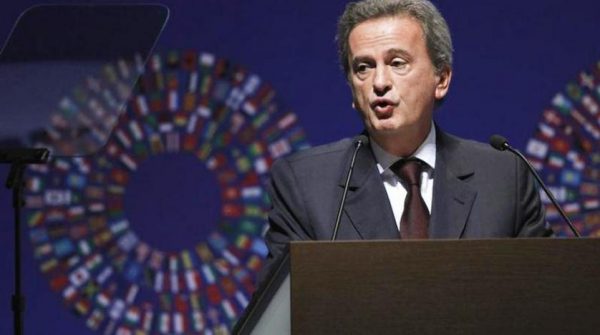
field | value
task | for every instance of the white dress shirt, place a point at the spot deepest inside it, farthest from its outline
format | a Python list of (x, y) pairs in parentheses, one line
[(396, 191)]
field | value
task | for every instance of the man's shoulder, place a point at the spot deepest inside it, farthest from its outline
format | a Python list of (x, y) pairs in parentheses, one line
[(327, 151), (465, 152), (462, 146)]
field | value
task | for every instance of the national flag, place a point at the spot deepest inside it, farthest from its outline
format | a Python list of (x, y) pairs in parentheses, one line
[(589, 189), (243, 164), (587, 80), (156, 144), (559, 193), (279, 148), (252, 84), (251, 192), (93, 261), (230, 193), (172, 142), (229, 310), (178, 323), (230, 257), (222, 266), (193, 82), (82, 307), (208, 274), (254, 263), (228, 286), (570, 177), (43, 250), (235, 98), (48, 265), (241, 299), (243, 242), (546, 130), (128, 161), (128, 241), (75, 213), (79, 276), (156, 260), (69, 294), (261, 165), (63, 247), (574, 91), (198, 320), (213, 294), (123, 138), (96, 207), (174, 281), (34, 184), (59, 282), (95, 319), (148, 318), (192, 278), (117, 309), (556, 161), (105, 274), (562, 103), (571, 208), (591, 204), (38, 235), (249, 107), (57, 197), (590, 104), (84, 247), (123, 331), (94, 192), (575, 158), (259, 247), (560, 145), (164, 323), (132, 293), (158, 281), (35, 201), (207, 60), (204, 253)]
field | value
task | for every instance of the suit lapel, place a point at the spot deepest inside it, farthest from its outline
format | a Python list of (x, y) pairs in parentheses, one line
[(452, 196), (367, 204)]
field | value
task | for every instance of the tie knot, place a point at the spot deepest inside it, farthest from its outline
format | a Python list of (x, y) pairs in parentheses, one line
[(408, 170)]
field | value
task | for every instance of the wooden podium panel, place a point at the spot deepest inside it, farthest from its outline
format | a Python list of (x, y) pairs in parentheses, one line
[(511, 286)]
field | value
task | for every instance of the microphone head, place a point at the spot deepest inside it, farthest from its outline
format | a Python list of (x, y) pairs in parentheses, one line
[(498, 142), (362, 138)]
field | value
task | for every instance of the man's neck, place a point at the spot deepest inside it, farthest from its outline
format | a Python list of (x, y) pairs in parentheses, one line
[(402, 144)]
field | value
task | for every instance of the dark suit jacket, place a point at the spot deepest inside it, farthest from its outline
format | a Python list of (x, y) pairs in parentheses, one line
[(478, 192)]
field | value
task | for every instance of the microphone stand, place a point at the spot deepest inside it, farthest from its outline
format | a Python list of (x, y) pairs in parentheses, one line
[(18, 160)]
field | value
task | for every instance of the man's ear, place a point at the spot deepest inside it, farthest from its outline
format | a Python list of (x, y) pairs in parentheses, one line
[(443, 84)]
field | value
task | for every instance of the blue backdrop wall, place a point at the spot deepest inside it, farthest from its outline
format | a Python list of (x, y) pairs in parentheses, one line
[(511, 59)]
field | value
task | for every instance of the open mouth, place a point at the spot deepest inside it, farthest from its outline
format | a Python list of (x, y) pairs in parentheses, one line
[(383, 108)]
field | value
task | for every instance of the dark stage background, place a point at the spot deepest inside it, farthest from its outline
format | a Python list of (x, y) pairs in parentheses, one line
[(511, 59)]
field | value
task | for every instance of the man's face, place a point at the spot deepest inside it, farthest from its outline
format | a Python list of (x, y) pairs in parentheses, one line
[(394, 84)]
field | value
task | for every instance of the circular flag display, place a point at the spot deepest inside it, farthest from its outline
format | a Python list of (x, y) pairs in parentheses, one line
[(185, 104), (565, 150)]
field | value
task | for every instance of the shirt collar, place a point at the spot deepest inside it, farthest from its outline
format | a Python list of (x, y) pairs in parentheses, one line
[(425, 152)]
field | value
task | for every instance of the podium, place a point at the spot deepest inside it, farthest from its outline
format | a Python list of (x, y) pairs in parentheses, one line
[(504, 286)]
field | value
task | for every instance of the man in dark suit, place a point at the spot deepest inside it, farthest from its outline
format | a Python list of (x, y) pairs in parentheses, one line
[(397, 55)]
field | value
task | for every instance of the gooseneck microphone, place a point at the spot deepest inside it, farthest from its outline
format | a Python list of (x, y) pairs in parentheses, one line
[(500, 143), (358, 143)]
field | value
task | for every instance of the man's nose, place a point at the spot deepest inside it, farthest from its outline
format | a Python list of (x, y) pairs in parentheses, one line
[(382, 82)]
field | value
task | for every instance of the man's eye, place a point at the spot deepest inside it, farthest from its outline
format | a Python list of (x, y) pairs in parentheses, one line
[(361, 68), (399, 63)]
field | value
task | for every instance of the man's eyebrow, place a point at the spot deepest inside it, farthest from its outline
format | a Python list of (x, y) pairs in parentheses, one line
[(396, 51)]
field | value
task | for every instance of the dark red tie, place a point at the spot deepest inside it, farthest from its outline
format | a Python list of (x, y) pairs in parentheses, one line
[(415, 218)]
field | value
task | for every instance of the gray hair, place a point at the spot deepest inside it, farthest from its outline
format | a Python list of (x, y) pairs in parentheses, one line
[(435, 28)]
